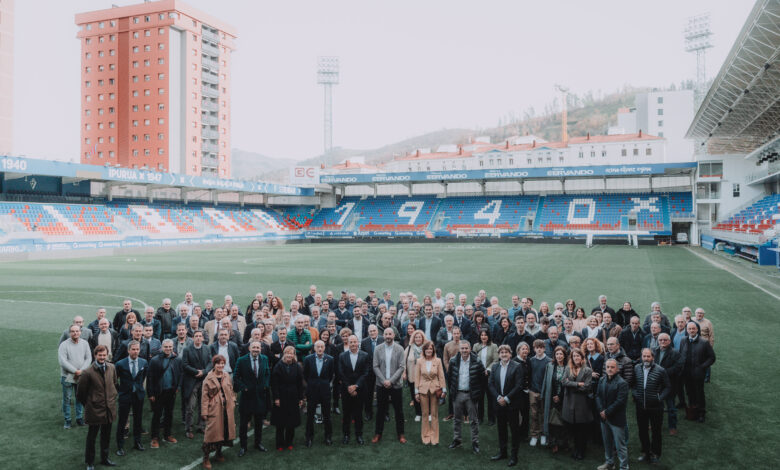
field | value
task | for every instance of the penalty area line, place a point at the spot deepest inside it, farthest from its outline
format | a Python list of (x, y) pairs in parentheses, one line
[(732, 272), (199, 461)]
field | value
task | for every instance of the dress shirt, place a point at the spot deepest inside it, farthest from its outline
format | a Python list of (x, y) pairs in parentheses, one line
[(483, 356), (358, 328), (388, 357), (502, 377), (353, 357), (428, 322), (320, 362)]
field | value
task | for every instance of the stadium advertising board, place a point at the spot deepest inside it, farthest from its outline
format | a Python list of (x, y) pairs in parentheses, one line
[(507, 174), (304, 175), (34, 166)]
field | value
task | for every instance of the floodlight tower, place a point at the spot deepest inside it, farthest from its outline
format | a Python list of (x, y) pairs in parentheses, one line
[(697, 39), (327, 76), (564, 98)]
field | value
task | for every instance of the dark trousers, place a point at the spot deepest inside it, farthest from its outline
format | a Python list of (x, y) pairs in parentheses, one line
[(336, 393), (695, 389), (368, 397), (385, 396), (417, 404), (352, 409), (243, 427), (163, 408), (525, 416), (311, 408), (137, 405), (491, 407), (508, 416), (105, 440), (579, 434), (647, 421), (284, 437), (679, 390)]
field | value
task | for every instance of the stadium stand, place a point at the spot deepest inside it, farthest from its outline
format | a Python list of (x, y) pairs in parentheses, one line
[(756, 218), (395, 213), (463, 213), (334, 218)]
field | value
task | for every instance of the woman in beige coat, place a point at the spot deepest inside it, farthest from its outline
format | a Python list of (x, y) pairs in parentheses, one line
[(412, 354), (429, 386), (217, 407)]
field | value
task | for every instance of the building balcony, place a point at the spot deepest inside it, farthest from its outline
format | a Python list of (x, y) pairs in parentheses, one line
[(210, 49), (207, 146), (209, 105), (209, 63), (209, 120), (210, 92), (209, 134), (209, 78), (210, 35)]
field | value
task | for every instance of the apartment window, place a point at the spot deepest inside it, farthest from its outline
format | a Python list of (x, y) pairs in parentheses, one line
[(147, 137), (147, 92), (195, 125), (581, 154), (160, 136), (135, 108), (87, 112), (161, 91), (540, 160), (135, 138), (660, 111), (111, 154), (135, 49), (194, 53), (112, 23), (135, 123), (111, 97), (660, 124), (160, 46), (87, 69), (135, 34), (530, 161), (147, 18), (111, 66), (87, 141), (161, 16), (146, 63), (111, 52), (88, 41), (194, 110), (549, 159), (161, 106), (102, 39), (100, 97), (511, 161), (87, 84), (636, 152), (147, 78), (100, 154), (100, 125), (100, 111), (660, 100), (135, 153), (194, 67), (88, 127), (161, 31), (89, 27), (135, 64), (194, 96), (173, 15), (111, 139), (160, 151), (147, 107), (481, 163), (100, 140), (88, 55), (592, 153), (147, 152), (147, 122), (623, 152), (735, 190), (160, 76), (161, 121), (112, 37), (648, 151), (111, 125), (135, 93), (101, 25), (560, 159), (147, 48), (603, 153)]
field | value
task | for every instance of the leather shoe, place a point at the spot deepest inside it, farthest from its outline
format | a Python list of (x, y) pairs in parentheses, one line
[(139, 446), (500, 456), (328, 441), (345, 440), (376, 438), (120, 452), (475, 448), (359, 440), (512, 462), (242, 452), (454, 444), (261, 448), (308, 443), (402, 439), (107, 463)]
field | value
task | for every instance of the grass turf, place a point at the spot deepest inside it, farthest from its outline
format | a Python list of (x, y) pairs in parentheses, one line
[(38, 299)]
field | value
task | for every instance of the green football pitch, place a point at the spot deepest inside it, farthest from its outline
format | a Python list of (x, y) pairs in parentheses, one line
[(39, 298)]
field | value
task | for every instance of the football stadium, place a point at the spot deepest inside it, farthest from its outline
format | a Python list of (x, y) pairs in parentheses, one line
[(483, 243)]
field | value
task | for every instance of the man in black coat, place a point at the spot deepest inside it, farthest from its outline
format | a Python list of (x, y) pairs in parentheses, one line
[(251, 379), (611, 401), (165, 314), (196, 364), (318, 372), (119, 317), (429, 323), (513, 339), (698, 356), (465, 377), (223, 346), (631, 339), (603, 307), (671, 360), (163, 380), (353, 371), (131, 372), (651, 388), (137, 335), (505, 384), (104, 328), (277, 347)]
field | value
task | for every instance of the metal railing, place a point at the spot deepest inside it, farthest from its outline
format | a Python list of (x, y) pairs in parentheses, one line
[(771, 169), (210, 49), (209, 105), (210, 92)]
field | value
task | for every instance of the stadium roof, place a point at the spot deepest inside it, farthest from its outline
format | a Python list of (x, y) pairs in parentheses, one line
[(741, 110)]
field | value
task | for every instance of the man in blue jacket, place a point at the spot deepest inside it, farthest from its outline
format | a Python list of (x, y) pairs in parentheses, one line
[(131, 372)]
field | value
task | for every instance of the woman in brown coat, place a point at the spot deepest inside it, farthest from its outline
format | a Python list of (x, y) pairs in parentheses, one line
[(429, 386), (217, 407)]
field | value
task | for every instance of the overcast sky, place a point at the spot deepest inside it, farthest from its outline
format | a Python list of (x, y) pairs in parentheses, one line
[(407, 67)]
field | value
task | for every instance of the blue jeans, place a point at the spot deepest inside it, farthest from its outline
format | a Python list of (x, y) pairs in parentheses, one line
[(68, 391), (672, 410), (615, 437)]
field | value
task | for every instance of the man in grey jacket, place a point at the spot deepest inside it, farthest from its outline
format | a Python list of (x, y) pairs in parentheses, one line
[(389, 367), (74, 356)]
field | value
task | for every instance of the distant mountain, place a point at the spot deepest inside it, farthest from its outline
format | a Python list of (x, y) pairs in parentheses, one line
[(250, 165)]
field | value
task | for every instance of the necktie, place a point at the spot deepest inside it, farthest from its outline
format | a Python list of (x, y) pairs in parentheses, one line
[(132, 368), (254, 366)]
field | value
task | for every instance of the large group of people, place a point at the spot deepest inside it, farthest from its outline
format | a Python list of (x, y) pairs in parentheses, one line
[(555, 377)]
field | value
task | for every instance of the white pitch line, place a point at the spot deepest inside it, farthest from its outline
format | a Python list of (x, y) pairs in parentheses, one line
[(71, 292), (732, 272), (199, 461), (48, 303)]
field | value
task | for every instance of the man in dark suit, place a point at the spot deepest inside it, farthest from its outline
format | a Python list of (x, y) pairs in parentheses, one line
[(358, 323), (318, 371), (131, 372), (196, 364), (278, 346), (119, 317), (163, 380), (671, 360), (368, 345), (462, 322), (513, 339), (505, 384), (226, 348), (353, 370), (430, 324), (137, 335), (603, 307), (611, 401), (251, 378)]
